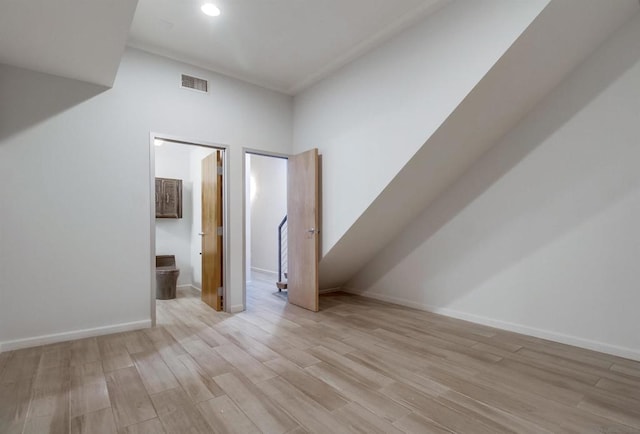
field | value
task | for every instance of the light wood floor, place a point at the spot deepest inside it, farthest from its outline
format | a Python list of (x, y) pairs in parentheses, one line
[(357, 366)]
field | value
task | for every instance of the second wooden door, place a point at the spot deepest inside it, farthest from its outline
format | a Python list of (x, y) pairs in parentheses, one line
[(302, 231)]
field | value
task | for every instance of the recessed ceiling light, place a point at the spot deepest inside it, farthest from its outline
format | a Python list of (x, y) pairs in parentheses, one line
[(210, 9)]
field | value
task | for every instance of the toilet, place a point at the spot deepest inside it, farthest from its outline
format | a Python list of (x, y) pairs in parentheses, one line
[(166, 277)]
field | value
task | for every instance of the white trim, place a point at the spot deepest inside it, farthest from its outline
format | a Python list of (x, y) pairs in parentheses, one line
[(253, 151), (226, 224), (68, 336), (246, 151), (329, 290), (236, 308), (226, 237), (244, 226), (152, 228), (190, 286), (588, 344), (263, 271)]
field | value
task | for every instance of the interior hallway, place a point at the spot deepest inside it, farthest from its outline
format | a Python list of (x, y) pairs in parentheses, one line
[(357, 366)]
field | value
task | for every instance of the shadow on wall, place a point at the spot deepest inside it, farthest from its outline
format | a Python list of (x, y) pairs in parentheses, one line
[(582, 178), (40, 97)]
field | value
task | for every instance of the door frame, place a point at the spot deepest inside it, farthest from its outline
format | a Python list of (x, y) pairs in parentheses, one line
[(245, 152), (152, 212)]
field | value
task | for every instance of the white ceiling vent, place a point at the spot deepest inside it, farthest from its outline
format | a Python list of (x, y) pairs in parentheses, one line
[(194, 83)]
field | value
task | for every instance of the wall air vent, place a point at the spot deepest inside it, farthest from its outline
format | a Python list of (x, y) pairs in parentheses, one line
[(194, 83)]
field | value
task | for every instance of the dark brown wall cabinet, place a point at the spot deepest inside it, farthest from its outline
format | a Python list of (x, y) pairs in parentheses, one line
[(168, 198)]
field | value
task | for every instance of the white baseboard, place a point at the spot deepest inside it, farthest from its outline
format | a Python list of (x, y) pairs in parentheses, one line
[(329, 290), (263, 271), (68, 336), (190, 286), (236, 308), (575, 341)]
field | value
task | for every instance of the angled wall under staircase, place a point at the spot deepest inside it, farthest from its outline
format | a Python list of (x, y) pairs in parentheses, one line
[(540, 236), (401, 124)]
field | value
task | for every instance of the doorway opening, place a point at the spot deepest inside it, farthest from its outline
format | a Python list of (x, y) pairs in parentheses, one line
[(265, 227), (188, 221)]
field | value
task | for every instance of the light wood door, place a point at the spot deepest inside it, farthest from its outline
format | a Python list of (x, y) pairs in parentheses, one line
[(302, 231), (211, 235)]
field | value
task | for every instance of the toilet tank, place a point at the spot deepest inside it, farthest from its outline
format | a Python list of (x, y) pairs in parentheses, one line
[(168, 261)]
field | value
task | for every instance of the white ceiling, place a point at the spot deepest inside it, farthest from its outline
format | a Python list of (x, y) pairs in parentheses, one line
[(285, 45), (79, 39)]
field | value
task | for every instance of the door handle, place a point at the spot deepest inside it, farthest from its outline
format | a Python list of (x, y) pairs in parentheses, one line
[(313, 230), (201, 234)]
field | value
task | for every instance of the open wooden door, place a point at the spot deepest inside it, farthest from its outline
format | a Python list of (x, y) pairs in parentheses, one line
[(212, 230), (302, 231)]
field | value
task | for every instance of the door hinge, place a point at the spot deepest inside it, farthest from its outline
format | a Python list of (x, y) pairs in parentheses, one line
[(219, 170), (220, 291), (220, 230)]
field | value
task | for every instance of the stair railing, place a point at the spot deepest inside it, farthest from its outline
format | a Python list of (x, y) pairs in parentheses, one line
[(282, 247)]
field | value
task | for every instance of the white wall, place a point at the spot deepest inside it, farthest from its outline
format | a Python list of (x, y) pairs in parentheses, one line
[(268, 207), (541, 236), (536, 62), (75, 164), (368, 119), (173, 236)]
